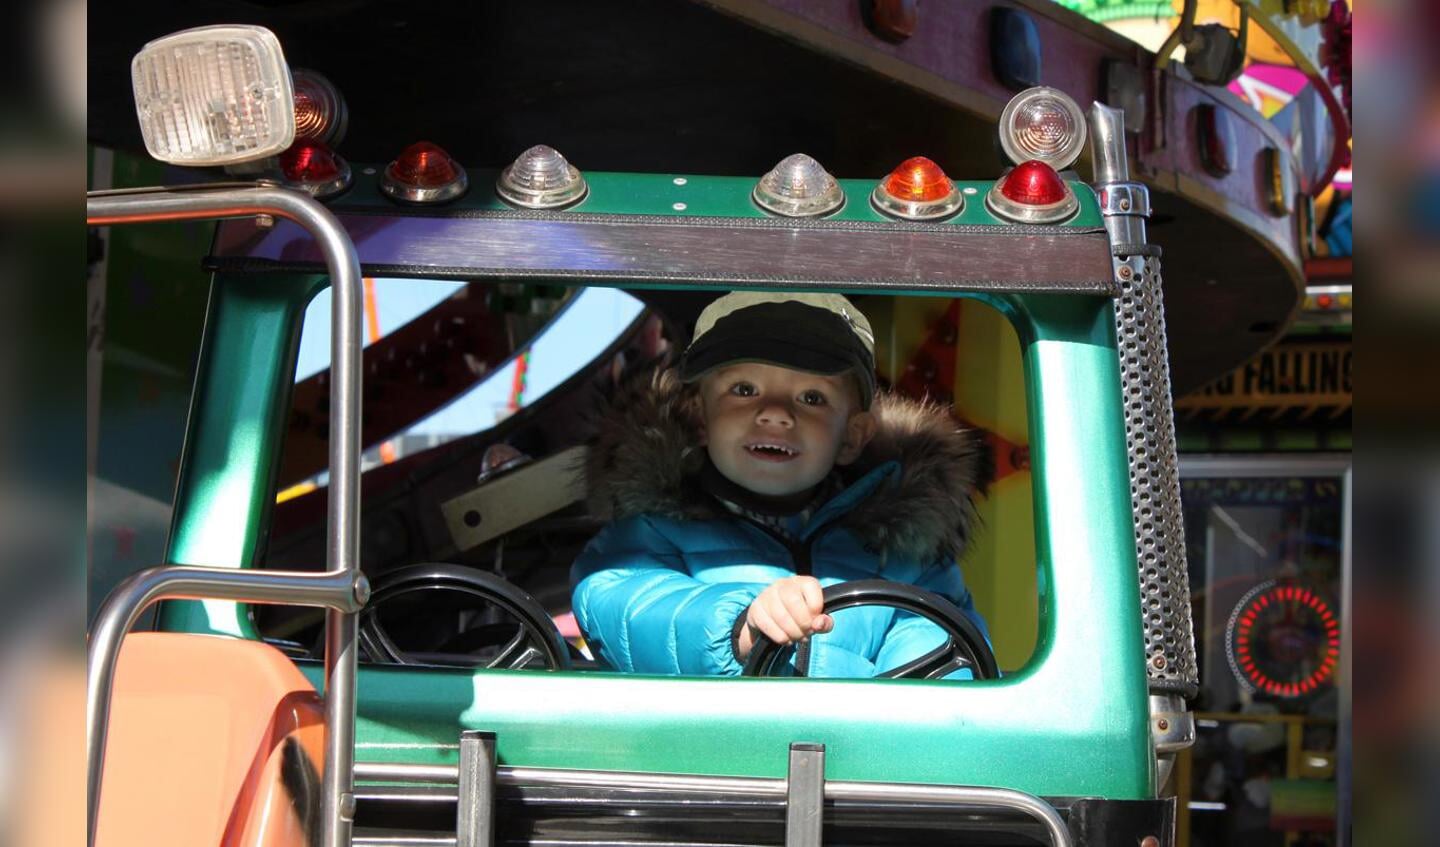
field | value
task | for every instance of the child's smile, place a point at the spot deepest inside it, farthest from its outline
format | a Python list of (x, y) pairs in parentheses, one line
[(778, 431)]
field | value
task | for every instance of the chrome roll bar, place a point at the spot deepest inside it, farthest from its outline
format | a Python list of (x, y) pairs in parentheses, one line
[(341, 589)]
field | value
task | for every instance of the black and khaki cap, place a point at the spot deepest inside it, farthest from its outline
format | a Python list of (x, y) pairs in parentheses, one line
[(815, 333)]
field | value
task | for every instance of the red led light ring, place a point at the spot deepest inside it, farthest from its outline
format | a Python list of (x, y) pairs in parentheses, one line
[(1253, 612)]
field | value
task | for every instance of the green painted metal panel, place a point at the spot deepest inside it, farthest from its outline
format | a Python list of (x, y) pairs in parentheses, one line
[(1074, 721), (242, 395)]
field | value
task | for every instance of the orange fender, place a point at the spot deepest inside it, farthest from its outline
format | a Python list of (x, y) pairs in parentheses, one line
[(212, 740)]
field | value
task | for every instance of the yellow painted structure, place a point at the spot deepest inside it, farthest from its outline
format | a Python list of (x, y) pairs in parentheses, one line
[(989, 390)]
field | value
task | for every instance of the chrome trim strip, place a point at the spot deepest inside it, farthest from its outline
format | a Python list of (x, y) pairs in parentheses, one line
[(956, 795), (342, 588), (699, 252), (859, 792)]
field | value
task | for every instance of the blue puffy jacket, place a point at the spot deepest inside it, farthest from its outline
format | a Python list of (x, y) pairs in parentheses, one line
[(662, 587)]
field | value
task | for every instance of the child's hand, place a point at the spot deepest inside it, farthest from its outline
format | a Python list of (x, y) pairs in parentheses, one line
[(788, 610)]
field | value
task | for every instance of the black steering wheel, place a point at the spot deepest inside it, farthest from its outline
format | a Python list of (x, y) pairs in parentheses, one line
[(964, 647), (524, 635)]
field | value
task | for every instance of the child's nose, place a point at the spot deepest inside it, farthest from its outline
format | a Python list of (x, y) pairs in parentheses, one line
[(775, 414)]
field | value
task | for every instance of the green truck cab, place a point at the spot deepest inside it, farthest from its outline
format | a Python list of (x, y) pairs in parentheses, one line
[(1069, 745)]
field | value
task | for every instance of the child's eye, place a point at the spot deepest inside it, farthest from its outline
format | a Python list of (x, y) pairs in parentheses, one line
[(812, 398), (742, 389)]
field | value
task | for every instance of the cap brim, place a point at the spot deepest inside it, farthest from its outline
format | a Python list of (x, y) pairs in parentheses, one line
[(702, 359)]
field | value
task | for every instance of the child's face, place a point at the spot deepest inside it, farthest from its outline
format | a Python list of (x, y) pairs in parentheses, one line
[(778, 431)]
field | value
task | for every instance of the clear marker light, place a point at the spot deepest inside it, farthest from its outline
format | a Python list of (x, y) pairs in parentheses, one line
[(320, 110), (1042, 124), (540, 178), (216, 95), (798, 187)]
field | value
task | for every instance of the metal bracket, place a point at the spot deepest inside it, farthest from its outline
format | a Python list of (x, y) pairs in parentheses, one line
[(1171, 724), (515, 498), (1172, 727), (805, 795), (1124, 198), (475, 800)]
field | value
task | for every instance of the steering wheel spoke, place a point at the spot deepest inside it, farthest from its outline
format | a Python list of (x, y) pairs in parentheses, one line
[(534, 637), (515, 653), (936, 664), (376, 642)]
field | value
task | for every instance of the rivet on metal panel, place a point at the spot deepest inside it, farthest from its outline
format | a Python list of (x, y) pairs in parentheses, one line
[(1125, 272)]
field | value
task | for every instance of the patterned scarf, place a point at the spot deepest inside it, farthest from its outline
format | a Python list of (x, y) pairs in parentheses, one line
[(786, 515)]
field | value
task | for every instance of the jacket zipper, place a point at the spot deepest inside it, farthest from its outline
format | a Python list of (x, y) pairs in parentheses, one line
[(800, 555), (803, 567)]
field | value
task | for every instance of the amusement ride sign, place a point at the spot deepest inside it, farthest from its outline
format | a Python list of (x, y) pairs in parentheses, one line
[(1306, 376)]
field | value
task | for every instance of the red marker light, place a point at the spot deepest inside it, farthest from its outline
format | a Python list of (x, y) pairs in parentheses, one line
[(424, 173), (1034, 184), (917, 190), (1032, 192), (315, 168), (1325, 301), (309, 161), (424, 165)]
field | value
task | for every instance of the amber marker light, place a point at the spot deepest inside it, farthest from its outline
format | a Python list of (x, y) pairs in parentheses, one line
[(917, 190), (424, 173)]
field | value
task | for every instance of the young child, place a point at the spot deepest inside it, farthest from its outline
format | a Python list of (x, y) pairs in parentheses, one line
[(765, 469)]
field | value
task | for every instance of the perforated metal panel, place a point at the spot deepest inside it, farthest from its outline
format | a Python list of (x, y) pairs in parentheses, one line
[(1154, 478)]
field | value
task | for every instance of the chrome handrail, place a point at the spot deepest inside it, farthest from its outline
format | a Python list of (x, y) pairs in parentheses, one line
[(342, 589)]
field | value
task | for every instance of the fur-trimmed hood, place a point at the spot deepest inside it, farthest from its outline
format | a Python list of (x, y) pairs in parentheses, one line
[(646, 459)]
